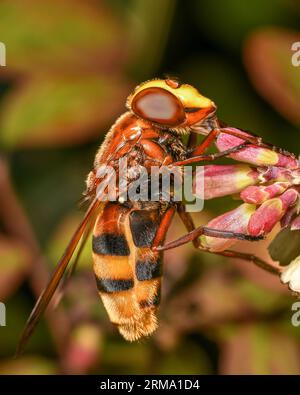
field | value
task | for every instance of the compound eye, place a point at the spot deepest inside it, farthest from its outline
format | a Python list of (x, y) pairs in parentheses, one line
[(158, 105)]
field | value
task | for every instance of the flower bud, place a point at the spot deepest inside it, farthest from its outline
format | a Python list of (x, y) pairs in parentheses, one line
[(276, 174), (253, 154), (291, 275), (270, 212), (222, 180), (235, 221), (259, 194), (82, 352)]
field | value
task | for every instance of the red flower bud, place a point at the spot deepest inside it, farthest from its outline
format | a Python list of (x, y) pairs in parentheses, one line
[(82, 352), (259, 194), (235, 220), (270, 212), (222, 180), (253, 154)]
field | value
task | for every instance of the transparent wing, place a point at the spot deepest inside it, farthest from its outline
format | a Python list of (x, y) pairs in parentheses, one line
[(47, 294)]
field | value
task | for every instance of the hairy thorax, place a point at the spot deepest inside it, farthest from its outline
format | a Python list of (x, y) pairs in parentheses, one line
[(135, 145)]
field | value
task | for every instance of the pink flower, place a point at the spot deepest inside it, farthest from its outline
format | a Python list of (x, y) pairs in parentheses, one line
[(269, 189), (235, 220), (227, 180), (271, 212), (259, 194), (253, 154)]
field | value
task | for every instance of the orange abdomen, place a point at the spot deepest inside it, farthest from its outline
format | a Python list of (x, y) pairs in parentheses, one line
[(128, 272)]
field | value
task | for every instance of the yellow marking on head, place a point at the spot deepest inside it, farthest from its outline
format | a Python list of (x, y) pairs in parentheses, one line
[(187, 94)]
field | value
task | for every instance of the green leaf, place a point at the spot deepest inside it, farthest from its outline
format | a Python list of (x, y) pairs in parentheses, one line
[(60, 110), (228, 23), (55, 35), (268, 60), (123, 358), (196, 360), (286, 246), (148, 33), (14, 265), (28, 365), (260, 349), (62, 237)]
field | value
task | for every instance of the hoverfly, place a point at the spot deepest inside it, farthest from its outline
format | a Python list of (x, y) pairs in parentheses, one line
[(128, 236)]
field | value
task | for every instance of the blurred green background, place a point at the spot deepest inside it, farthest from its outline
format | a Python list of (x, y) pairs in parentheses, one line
[(70, 66)]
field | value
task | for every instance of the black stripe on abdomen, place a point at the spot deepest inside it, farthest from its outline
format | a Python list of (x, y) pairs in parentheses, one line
[(110, 244), (155, 301), (143, 225), (109, 285), (147, 270)]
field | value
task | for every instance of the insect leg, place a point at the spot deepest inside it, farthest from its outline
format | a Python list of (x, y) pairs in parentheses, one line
[(208, 140), (253, 139), (213, 134), (163, 227), (250, 138), (188, 222), (187, 219), (192, 140), (272, 268), (203, 230), (209, 157)]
